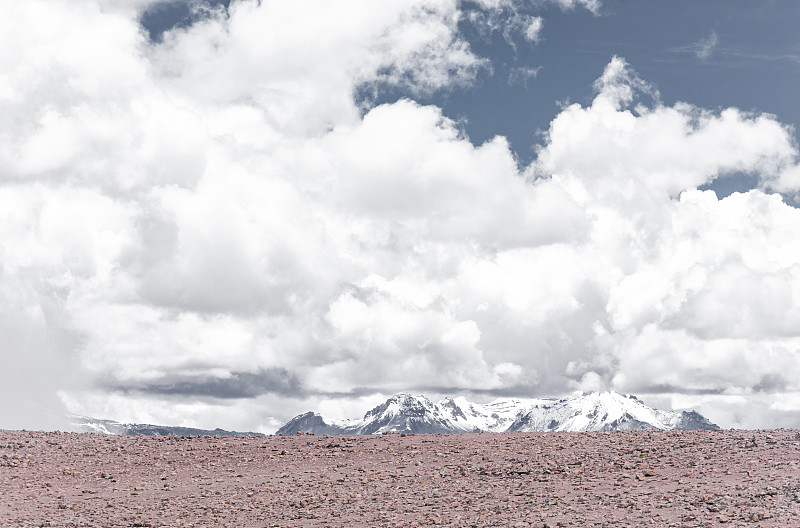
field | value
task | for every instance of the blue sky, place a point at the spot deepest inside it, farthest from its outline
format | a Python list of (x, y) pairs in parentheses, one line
[(224, 215)]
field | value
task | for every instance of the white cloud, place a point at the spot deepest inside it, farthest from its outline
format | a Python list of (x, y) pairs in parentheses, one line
[(612, 150), (512, 18), (787, 181), (705, 47), (533, 29), (216, 206), (276, 58), (591, 5), (522, 76)]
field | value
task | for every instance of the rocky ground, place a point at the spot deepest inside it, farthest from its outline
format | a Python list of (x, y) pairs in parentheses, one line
[(688, 478)]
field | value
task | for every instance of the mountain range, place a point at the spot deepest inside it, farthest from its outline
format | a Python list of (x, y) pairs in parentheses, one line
[(593, 411), (404, 413)]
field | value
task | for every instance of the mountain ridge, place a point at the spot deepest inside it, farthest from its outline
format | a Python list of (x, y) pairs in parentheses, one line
[(592, 411)]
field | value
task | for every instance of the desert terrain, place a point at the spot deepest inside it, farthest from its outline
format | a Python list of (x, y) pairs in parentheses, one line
[(686, 478)]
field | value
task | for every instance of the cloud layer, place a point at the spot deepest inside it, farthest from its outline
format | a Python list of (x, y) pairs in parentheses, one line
[(210, 231)]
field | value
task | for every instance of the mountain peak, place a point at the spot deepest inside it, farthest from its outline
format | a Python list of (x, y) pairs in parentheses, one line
[(401, 403)]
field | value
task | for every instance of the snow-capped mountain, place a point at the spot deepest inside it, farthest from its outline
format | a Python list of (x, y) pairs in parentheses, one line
[(594, 411), (400, 413), (496, 416), (604, 411), (83, 424)]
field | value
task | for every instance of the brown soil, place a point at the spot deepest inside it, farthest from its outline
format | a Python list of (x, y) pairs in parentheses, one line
[(696, 478)]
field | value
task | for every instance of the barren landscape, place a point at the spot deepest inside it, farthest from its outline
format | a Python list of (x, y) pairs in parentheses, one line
[(677, 478)]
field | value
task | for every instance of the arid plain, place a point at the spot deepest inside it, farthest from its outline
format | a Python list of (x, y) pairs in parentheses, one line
[(679, 478)]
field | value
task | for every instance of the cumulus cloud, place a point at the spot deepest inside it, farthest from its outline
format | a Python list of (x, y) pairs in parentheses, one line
[(658, 149), (703, 290), (208, 230), (115, 151)]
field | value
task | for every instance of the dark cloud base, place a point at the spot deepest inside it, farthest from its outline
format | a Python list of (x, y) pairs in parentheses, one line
[(238, 385)]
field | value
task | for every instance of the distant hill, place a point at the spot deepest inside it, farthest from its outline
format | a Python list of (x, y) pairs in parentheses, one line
[(83, 424)]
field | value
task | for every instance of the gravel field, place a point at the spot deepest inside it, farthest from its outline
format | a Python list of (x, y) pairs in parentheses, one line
[(678, 478)]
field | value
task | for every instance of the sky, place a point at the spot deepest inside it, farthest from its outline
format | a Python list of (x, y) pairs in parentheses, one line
[(223, 214)]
